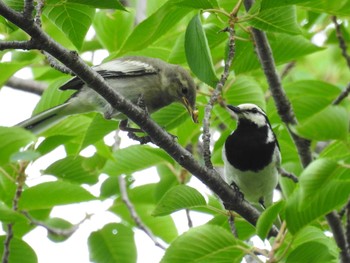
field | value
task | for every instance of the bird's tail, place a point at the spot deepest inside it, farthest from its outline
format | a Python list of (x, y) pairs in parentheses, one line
[(45, 119)]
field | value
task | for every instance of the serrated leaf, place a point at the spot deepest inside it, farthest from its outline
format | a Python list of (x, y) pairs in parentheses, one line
[(198, 53), (135, 158), (207, 243), (108, 4), (156, 25), (311, 252), (11, 140), (48, 195), (268, 218), (321, 190), (71, 18), (278, 19), (113, 243), (20, 251), (285, 48), (73, 169), (330, 123), (177, 198), (110, 35)]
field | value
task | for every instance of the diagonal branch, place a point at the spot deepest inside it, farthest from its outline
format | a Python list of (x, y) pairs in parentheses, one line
[(159, 137), (26, 85), (341, 40)]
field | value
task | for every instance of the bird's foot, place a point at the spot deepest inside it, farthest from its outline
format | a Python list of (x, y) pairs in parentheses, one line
[(141, 103), (237, 190)]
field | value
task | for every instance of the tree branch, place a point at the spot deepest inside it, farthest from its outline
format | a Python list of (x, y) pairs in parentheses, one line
[(217, 92), (341, 40), (160, 137), (25, 45), (26, 85), (338, 233), (133, 213)]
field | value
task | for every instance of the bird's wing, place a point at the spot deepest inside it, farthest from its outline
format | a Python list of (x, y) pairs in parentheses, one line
[(115, 69)]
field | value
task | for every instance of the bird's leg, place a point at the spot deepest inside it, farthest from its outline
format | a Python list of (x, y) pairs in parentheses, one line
[(236, 188), (262, 203), (123, 125)]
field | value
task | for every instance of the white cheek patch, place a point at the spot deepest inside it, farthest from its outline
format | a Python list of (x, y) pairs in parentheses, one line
[(258, 119)]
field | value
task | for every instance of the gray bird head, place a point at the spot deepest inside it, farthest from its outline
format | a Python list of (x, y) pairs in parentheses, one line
[(183, 89), (250, 112)]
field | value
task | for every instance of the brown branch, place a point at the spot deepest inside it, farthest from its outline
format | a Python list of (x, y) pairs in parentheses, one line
[(28, 9), (25, 45), (26, 85), (287, 174), (20, 180), (214, 98), (338, 233), (133, 213), (342, 95), (159, 137), (342, 43)]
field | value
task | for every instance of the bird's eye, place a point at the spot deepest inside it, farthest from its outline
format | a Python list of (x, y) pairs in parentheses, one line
[(184, 90), (254, 110)]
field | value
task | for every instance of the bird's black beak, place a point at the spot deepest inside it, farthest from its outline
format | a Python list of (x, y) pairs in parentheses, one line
[(234, 109)]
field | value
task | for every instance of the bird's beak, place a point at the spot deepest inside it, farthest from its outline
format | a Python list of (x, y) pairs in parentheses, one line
[(193, 112), (234, 109)]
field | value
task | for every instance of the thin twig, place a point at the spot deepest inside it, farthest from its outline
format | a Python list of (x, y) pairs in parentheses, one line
[(20, 183), (38, 8), (342, 42), (133, 213), (231, 221), (26, 85), (287, 69), (189, 219), (54, 63), (338, 233), (53, 230), (342, 95), (213, 99), (289, 175), (278, 242)]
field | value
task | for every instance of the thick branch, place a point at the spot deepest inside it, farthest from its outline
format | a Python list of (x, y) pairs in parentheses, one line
[(338, 233), (26, 85), (25, 45), (282, 103), (161, 138)]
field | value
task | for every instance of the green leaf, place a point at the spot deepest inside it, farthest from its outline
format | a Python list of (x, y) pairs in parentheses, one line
[(108, 4), (11, 140), (330, 123), (323, 187), (198, 53), (71, 18), (197, 4), (110, 35), (62, 225), (135, 158), (311, 252), (268, 218), (20, 251), (171, 116), (207, 243), (279, 20), (8, 215), (144, 200), (48, 195), (15, 4), (177, 198), (74, 169), (245, 89), (156, 25), (113, 243), (285, 48), (8, 69)]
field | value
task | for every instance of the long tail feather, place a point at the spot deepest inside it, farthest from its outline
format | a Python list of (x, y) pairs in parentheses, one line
[(45, 119)]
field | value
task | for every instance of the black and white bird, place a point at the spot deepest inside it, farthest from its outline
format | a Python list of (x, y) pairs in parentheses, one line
[(252, 156), (158, 84)]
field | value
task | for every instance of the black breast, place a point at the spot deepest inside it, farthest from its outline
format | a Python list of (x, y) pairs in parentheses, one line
[(246, 148)]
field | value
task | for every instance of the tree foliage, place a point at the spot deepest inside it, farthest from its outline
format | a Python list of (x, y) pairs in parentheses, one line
[(308, 40)]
